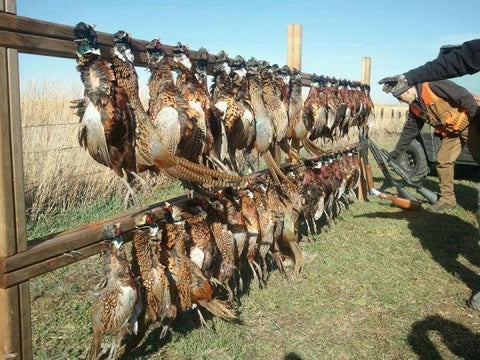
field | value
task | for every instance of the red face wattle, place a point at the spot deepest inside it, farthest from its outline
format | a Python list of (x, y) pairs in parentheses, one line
[(149, 219)]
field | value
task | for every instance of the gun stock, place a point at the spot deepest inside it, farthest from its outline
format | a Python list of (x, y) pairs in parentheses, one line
[(400, 202)]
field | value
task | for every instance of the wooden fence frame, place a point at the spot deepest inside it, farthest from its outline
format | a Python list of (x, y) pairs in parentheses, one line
[(19, 260)]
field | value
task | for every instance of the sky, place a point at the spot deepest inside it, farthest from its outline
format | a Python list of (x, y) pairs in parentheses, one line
[(397, 35)]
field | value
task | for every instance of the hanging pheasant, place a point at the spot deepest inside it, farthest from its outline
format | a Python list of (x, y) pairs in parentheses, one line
[(106, 122), (264, 129), (117, 305), (171, 118)]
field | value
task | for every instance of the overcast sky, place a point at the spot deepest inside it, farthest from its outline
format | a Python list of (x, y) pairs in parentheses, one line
[(397, 35)]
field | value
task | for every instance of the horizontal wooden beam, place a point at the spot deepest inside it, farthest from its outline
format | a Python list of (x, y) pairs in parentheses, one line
[(58, 250), (38, 37)]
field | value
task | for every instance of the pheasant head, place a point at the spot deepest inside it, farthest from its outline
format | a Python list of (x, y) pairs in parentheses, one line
[(155, 52), (239, 68), (86, 42), (122, 46), (222, 63), (112, 233), (173, 212), (252, 67), (202, 60), (146, 221), (181, 56)]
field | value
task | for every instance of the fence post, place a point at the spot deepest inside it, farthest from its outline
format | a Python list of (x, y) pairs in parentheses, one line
[(365, 181), (294, 46), (15, 319)]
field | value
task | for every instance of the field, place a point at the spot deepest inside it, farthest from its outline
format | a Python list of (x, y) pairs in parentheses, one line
[(380, 283)]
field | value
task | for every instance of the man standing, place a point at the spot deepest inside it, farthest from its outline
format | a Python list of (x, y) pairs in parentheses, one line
[(451, 62), (448, 108)]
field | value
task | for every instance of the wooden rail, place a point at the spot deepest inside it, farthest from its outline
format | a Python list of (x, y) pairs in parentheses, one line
[(64, 248), (45, 38), (19, 260)]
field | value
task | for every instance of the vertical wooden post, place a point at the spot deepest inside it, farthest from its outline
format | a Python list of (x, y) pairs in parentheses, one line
[(366, 68), (294, 46), (365, 180), (15, 320)]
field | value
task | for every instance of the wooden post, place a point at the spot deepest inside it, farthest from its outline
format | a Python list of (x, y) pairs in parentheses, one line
[(294, 46), (366, 68), (366, 182), (15, 320)]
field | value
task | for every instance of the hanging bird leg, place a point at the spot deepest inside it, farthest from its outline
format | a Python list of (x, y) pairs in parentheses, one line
[(292, 154), (142, 182), (130, 193)]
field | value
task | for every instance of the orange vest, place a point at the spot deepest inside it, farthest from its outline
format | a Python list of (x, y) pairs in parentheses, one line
[(440, 114)]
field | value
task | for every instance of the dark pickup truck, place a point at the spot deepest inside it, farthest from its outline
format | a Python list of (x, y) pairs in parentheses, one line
[(421, 154)]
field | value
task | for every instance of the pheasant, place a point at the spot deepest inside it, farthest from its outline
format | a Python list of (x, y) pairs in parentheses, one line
[(275, 108), (158, 300), (267, 221), (168, 111), (199, 244), (317, 112), (264, 129), (199, 103), (191, 286), (107, 124), (288, 205), (117, 305), (298, 130), (241, 134), (229, 212), (223, 237), (250, 213)]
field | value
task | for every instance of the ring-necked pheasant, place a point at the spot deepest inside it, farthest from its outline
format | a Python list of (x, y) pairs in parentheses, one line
[(199, 103), (298, 129), (107, 127), (192, 288), (158, 300), (172, 125), (117, 305), (264, 129), (237, 119)]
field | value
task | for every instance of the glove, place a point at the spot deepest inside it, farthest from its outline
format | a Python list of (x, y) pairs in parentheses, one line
[(395, 85), (393, 79)]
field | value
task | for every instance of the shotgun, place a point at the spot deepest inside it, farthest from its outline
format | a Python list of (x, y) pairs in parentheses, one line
[(379, 158), (383, 155)]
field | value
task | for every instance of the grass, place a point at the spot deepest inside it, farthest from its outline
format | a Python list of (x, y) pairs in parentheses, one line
[(381, 283)]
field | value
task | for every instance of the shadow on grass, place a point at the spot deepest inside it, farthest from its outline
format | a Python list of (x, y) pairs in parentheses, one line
[(456, 337), (292, 356), (446, 237)]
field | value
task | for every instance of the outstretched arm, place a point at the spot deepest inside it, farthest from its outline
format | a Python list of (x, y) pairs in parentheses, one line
[(457, 62)]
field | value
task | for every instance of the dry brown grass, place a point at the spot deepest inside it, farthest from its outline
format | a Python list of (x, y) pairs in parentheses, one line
[(389, 120), (58, 173)]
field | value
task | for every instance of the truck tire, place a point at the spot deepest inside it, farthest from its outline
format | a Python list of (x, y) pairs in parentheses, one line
[(414, 161)]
